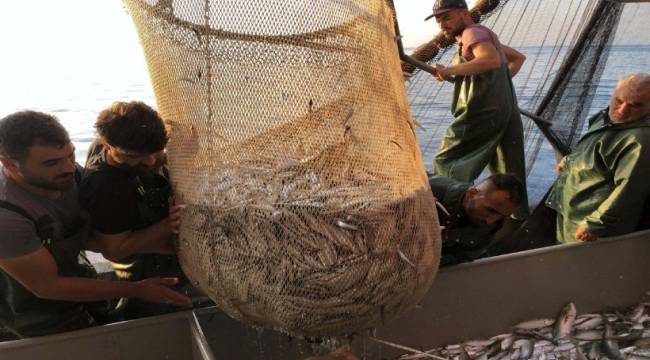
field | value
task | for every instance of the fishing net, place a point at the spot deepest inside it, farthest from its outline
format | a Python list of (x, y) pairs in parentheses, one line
[(308, 208), (575, 51)]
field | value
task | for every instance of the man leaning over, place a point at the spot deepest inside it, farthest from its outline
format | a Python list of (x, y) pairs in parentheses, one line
[(471, 215), (45, 288)]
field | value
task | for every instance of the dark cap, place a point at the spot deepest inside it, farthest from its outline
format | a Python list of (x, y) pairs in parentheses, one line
[(442, 6)]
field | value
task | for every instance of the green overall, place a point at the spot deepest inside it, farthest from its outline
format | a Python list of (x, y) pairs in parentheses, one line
[(486, 131), (605, 180), (27, 315)]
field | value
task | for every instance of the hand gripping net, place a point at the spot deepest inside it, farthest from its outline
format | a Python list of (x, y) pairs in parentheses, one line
[(308, 209)]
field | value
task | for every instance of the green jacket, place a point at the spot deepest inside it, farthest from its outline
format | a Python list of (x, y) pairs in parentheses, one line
[(605, 180)]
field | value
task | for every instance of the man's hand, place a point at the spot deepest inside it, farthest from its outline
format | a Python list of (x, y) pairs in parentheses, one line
[(560, 166), (340, 354), (584, 235), (175, 212), (157, 290), (441, 72)]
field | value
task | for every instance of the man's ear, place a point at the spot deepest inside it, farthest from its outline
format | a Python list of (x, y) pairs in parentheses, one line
[(473, 191), (8, 163)]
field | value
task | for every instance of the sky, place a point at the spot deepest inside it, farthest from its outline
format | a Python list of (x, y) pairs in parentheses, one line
[(50, 47)]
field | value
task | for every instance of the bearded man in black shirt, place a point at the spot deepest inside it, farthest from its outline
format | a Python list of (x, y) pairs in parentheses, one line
[(126, 193)]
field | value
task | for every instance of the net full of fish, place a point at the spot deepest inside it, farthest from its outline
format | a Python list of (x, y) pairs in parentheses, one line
[(292, 145), (613, 335)]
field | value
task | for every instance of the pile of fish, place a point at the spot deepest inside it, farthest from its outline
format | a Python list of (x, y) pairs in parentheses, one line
[(613, 335)]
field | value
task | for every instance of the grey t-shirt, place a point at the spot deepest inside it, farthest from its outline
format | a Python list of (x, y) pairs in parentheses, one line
[(19, 236)]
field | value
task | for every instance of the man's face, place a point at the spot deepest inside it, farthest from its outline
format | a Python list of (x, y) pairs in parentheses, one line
[(452, 22), (487, 205), (48, 167), (628, 105), (143, 163)]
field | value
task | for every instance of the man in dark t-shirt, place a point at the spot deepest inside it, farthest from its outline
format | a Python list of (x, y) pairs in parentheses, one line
[(126, 195)]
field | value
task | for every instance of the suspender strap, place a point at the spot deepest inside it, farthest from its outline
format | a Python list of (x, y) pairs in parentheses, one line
[(17, 209)]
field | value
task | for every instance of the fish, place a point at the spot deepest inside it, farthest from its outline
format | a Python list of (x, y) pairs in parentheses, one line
[(590, 323), (589, 335), (534, 324), (526, 346), (610, 346), (564, 322)]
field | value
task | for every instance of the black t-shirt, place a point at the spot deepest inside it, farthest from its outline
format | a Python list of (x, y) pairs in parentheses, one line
[(108, 194)]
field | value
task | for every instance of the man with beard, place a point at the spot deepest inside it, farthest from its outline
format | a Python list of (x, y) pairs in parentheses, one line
[(126, 194), (44, 288), (604, 183), (487, 128), (470, 215)]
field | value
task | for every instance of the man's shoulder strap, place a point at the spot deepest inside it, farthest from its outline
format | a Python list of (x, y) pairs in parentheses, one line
[(17, 209)]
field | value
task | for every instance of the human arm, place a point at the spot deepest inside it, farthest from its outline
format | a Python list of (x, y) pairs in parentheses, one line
[(560, 165), (156, 239), (515, 59), (38, 273), (112, 207), (486, 58)]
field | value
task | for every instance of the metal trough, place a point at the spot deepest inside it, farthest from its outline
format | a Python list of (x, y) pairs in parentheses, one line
[(474, 300)]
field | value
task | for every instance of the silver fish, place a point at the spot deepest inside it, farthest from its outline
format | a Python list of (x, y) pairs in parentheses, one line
[(590, 335), (610, 346), (526, 347), (590, 323), (564, 322), (534, 324)]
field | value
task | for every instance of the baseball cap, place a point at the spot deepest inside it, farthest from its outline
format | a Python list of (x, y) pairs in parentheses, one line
[(442, 6)]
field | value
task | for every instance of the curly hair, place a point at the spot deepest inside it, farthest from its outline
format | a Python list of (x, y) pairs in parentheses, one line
[(22, 130), (133, 126)]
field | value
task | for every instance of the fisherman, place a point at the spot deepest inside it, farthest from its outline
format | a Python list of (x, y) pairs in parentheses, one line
[(487, 128), (126, 194), (604, 183), (44, 287), (471, 215)]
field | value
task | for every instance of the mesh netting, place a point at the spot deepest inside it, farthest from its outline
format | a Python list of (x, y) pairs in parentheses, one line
[(308, 209), (575, 51)]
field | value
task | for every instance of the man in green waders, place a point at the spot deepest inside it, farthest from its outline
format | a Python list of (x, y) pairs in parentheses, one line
[(487, 128), (605, 181), (126, 192), (44, 287)]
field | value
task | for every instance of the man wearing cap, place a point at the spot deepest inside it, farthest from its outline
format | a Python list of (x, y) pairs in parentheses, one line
[(487, 128)]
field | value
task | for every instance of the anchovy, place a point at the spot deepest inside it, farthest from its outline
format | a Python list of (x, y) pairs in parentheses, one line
[(590, 324), (534, 324), (610, 347), (564, 322), (526, 347), (590, 335)]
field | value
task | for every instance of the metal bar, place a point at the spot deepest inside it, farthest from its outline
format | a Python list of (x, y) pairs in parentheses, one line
[(400, 47)]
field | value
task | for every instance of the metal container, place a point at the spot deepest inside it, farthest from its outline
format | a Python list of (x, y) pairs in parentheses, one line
[(474, 300)]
